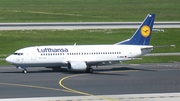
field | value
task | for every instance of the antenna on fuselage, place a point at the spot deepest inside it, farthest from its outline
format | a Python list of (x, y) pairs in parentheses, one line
[(74, 44)]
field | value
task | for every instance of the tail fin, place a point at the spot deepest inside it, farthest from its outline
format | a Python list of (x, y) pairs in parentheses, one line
[(142, 34)]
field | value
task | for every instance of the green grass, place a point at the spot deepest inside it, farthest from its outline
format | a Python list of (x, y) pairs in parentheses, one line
[(154, 59), (87, 10), (13, 40)]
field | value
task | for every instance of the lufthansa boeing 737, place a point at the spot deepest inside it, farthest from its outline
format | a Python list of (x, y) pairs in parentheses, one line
[(83, 57)]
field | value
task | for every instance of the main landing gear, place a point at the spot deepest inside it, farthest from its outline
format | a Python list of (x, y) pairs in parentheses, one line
[(89, 70)]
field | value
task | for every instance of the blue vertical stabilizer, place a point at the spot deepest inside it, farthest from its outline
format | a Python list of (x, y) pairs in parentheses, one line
[(143, 33)]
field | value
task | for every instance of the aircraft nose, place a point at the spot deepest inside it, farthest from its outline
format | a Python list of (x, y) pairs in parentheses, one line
[(9, 59)]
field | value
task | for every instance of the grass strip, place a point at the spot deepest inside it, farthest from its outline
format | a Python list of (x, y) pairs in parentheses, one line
[(87, 10)]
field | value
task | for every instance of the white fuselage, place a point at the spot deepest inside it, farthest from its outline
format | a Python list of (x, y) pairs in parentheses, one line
[(82, 57), (44, 56)]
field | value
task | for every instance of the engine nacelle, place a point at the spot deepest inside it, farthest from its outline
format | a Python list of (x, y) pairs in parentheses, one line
[(77, 66)]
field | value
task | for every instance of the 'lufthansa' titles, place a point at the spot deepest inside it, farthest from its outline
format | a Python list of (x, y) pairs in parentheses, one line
[(52, 50)]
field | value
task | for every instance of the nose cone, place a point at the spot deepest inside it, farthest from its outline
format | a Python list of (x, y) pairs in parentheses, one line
[(9, 59)]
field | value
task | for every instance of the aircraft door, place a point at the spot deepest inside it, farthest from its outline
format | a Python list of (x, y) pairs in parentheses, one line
[(130, 55), (33, 56)]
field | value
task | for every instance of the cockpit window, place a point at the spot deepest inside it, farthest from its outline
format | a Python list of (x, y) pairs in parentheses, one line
[(18, 54), (15, 53)]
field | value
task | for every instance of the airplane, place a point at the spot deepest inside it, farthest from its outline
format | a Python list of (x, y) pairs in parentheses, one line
[(83, 57)]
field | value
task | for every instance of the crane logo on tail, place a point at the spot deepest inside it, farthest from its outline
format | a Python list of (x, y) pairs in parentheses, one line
[(145, 31)]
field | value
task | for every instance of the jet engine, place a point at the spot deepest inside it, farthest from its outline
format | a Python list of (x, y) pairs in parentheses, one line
[(77, 66)]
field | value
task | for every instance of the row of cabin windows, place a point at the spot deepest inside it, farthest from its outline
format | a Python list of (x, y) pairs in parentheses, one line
[(85, 53), (52, 54), (93, 53)]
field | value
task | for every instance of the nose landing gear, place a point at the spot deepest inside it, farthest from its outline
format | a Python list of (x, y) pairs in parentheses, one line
[(24, 70)]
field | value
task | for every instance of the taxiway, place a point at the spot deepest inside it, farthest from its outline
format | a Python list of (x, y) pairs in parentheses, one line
[(106, 80)]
